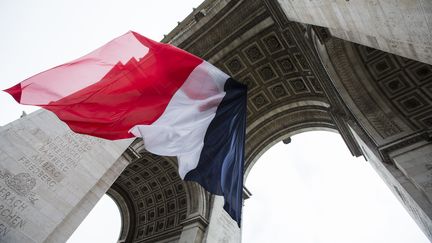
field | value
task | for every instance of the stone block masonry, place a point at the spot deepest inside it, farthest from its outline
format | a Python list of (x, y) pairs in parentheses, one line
[(50, 177)]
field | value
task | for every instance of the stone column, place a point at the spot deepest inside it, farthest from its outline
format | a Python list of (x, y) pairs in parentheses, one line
[(221, 229), (50, 177), (193, 230), (401, 27), (407, 179), (415, 163)]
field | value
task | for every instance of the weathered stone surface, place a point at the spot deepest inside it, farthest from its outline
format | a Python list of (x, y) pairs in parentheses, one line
[(378, 24), (384, 98), (415, 162), (403, 185), (222, 229), (50, 177)]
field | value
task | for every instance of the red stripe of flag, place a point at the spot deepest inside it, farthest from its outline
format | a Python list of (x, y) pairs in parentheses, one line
[(136, 92)]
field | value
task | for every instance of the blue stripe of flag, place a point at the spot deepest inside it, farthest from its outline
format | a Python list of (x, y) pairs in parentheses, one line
[(220, 167)]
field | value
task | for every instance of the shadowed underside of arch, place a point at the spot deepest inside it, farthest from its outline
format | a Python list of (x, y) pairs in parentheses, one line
[(154, 197)]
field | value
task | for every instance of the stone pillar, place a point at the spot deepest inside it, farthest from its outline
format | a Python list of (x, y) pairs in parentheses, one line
[(193, 230), (415, 163), (407, 179), (50, 177), (401, 27), (221, 229)]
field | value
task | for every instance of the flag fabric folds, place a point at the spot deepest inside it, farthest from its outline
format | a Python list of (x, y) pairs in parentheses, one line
[(179, 104)]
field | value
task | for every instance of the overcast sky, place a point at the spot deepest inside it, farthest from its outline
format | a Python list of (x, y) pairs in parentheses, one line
[(328, 197), (313, 191)]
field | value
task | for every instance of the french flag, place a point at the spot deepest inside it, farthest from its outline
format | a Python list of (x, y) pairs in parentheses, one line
[(179, 104)]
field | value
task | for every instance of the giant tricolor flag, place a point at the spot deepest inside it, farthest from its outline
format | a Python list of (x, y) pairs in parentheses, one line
[(179, 104)]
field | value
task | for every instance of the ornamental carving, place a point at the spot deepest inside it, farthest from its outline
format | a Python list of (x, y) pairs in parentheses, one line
[(21, 183)]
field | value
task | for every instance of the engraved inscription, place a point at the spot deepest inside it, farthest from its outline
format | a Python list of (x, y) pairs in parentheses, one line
[(36, 170), (46, 161), (55, 156), (15, 195)]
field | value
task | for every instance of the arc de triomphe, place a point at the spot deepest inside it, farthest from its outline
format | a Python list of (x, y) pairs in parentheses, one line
[(355, 67)]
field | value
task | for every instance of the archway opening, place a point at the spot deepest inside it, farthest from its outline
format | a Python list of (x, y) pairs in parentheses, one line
[(313, 190), (102, 224)]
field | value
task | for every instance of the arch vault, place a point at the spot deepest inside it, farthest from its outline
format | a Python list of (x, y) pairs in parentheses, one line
[(308, 66)]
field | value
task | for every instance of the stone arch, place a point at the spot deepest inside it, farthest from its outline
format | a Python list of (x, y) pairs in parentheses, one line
[(388, 95), (289, 90), (283, 122), (154, 202), (125, 207), (197, 197)]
